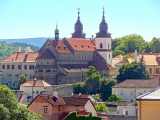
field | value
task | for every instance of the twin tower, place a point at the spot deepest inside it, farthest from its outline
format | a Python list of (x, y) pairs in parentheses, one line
[(102, 39)]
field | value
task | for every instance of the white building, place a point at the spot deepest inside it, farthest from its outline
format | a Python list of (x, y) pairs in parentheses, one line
[(129, 110), (33, 87), (16, 64), (130, 89)]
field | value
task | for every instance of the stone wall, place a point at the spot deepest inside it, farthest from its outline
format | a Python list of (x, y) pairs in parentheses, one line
[(120, 117)]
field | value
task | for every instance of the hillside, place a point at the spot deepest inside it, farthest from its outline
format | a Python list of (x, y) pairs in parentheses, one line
[(7, 49)]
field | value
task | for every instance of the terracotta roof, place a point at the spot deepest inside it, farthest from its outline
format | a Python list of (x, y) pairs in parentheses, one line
[(75, 101), (63, 115), (118, 57), (139, 83), (74, 67), (21, 57), (151, 95), (48, 98), (101, 65), (81, 44), (60, 46), (46, 54), (81, 95), (125, 61), (35, 83)]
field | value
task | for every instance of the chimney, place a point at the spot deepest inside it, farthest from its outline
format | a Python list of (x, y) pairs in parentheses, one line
[(35, 78), (19, 50), (124, 111), (29, 50), (135, 55), (55, 93), (79, 94), (71, 94), (26, 50)]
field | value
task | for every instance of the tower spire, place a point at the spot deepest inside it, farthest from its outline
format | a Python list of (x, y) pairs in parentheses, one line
[(56, 33), (78, 27), (103, 13)]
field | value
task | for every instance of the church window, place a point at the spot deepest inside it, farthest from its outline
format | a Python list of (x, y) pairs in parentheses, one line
[(101, 45), (108, 45)]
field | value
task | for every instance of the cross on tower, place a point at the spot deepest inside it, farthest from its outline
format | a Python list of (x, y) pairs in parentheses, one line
[(56, 25), (103, 12), (78, 12)]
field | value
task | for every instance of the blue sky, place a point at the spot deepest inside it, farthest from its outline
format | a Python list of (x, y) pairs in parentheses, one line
[(37, 18)]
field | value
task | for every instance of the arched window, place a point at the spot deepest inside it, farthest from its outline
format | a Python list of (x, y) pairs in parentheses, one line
[(108, 45), (101, 45)]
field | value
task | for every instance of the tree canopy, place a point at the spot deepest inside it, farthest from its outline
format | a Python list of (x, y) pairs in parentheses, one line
[(115, 98), (134, 70), (22, 79), (12, 110), (101, 107), (80, 87)]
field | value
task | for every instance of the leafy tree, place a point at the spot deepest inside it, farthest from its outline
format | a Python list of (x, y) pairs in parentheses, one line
[(106, 87), (22, 79), (16, 111), (101, 107), (154, 44), (80, 87), (132, 70), (115, 98), (93, 78), (115, 42), (73, 116), (97, 97), (4, 113), (117, 52)]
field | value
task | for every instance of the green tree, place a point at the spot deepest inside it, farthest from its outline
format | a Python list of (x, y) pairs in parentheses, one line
[(93, 78), (115, 98), (132, 70), (80, 87), (115, 42), (16, 111), (4, 113), (22, 79), (97, 97), (101, 107), (73, 116), (154, 44), (117, 52), (106, 87)]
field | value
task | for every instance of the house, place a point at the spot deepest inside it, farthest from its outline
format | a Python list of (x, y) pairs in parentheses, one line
[(84, 96), (33, 87), (21, 96), (51, 106), (130, 89), (16, 64), (117, 59), (149, 105), (151, 60)]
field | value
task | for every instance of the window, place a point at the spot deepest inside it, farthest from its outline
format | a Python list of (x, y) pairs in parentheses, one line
[(3, 66), (126, 112), (31, 67), (12, 66), (40, 70), (48, 70), (108, 45), (13, 84), (150, 70), (41, 62), (7, 84), (8, 66), (157, 70), (47, 62), (19, 66), (37, 92), (25, 67), (101, 45), (45, 110)]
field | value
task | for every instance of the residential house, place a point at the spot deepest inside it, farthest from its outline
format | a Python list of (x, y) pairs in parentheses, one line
[(151, 60), (33, 87), (52, 106), (117, 59), (16, 64), (130, 89), (149, 105), (21, 96)]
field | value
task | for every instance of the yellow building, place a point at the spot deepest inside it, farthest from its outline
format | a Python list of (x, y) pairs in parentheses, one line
[(152, 62), (149, 105)]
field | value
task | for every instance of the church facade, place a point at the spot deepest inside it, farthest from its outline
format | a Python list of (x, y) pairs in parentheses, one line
[(66, 61)]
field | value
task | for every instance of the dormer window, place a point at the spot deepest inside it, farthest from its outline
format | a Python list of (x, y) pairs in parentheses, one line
[(58, 47), (65, 47), (75, 45), (101, 45), (88, 46), (82, 46)]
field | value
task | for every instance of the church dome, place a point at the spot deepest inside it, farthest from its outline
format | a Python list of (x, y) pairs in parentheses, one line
[(78, 26), (103, 26)]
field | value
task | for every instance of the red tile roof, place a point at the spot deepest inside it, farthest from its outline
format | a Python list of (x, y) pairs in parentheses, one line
[(139, 83), (81, 95), (118, 57), (81, 44), (63, 115), (60, 46), (125, 61), (35, 83), (21, 57), (101, 65), (46, 54)]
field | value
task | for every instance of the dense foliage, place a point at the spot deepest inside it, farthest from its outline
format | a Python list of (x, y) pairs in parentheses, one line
[(22, 79), (7, 49), (106, 87), (10, 109), (80, 87), (101, 107), (134, 70), (73, 116), (93, 78), (96, 97), (115, 98)]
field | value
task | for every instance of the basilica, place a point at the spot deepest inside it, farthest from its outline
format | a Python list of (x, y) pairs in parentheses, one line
[(66, 61)]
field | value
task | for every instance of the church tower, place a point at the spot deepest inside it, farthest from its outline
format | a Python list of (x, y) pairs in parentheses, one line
[(103, 41), (56, 33), (78, 27)]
